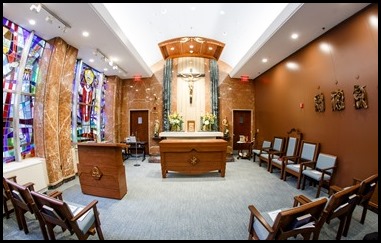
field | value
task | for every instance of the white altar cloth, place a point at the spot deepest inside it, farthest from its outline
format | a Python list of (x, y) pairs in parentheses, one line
[(190, 135)]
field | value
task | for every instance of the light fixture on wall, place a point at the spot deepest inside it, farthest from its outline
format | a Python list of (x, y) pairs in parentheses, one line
[(110, 62), (51, 17)]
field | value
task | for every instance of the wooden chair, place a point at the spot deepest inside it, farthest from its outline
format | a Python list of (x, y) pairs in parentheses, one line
[(320, 171), (23, 202), (367, 188), (291, 165), (277, 146), (7, 197), (82, 221), (292, 148), (283, 224), (340, 205), (257, 152)]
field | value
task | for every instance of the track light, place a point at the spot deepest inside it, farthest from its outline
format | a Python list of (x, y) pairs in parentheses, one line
[(107, 60), (50, 16), (36, 8)]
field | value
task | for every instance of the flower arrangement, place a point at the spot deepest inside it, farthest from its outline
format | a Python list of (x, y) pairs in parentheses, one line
[(208, 121), (176, 121)]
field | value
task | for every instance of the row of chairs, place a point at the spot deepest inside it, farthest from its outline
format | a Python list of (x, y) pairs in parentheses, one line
[(303, 162), (307, 217), (50, 210)]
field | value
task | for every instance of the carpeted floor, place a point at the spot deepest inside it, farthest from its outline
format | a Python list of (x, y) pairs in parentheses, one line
[(182, 207)]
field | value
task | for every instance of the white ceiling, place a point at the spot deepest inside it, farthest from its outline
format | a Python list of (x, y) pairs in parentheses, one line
[(129, 33)]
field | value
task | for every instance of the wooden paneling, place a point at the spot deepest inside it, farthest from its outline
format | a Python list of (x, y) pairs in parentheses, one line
[(191, 47)]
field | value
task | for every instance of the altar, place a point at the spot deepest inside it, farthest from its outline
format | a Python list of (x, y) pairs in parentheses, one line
[(193, 156), (191, 135)]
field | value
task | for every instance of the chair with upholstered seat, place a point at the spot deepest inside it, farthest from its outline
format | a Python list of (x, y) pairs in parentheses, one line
[(290, 152), (257, 152), (292, 148), (282, 224), (23, 202), (340, 205), (277, 146), (367, 188), (321, 171), (7, 197), (82, 221), (291, 165)]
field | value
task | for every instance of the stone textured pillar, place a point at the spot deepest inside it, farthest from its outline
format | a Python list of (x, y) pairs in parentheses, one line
[(113, 109), (53, 113)]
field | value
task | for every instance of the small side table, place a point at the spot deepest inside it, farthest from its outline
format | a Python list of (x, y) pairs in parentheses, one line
[(245, 150), (134, 148)]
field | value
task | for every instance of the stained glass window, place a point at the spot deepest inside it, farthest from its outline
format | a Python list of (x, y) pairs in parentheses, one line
[(14, 41), (103, 114), (87, 110)]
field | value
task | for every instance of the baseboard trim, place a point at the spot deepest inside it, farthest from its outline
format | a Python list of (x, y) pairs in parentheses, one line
[(61, 182)]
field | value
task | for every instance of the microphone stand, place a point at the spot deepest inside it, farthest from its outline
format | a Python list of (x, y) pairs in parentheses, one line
[(136, 150)]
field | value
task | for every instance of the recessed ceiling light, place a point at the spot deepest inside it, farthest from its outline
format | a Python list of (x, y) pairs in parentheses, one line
[(32, 22), (105, 69), (91, 60), (222, 12), (294, 36), (193, 8), (210, 48), (85, 33), (172, 48), (191, 46), (264, 60)]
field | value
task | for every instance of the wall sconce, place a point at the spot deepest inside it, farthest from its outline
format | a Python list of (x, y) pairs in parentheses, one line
[(244, 78), (50, 16)]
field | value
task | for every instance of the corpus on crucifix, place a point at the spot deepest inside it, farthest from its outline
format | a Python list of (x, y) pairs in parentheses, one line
[(190, 78)]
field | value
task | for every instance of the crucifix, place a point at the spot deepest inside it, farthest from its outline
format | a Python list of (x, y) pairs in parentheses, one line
[(190, 78)]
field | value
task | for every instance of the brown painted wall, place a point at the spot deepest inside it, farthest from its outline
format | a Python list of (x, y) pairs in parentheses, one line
[(350, 134)]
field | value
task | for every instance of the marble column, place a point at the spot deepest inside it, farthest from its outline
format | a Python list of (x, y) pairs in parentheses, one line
[(53, 113)]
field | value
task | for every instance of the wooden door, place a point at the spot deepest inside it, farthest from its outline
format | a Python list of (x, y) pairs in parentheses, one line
[(241, 126), (139, 126)]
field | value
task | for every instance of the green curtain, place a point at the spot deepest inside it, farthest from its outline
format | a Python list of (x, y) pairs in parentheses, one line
[(167, 76), (214, 77)]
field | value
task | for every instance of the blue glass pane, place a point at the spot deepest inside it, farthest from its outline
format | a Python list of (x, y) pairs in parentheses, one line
[(13, 43), (14, 38)]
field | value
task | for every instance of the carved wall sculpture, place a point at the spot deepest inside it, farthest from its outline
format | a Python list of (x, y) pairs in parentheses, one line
[(338, 100), (319, 102), (360, 97)]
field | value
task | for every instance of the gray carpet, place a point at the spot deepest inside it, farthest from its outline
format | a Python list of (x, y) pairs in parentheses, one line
[(181, 207)]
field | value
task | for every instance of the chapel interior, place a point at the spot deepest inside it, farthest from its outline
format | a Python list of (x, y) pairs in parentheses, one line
[(79, 107)]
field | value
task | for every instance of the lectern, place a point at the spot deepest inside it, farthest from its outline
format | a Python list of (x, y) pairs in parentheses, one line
[(101, 170)]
